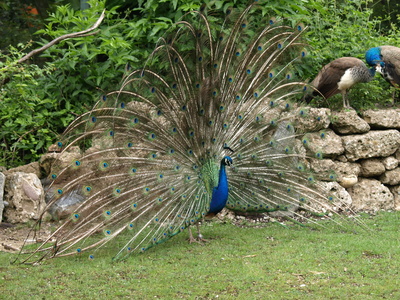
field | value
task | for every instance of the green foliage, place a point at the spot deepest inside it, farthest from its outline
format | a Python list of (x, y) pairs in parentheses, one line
[(85, 66), (28, 118), (79, 70), (39, 102)]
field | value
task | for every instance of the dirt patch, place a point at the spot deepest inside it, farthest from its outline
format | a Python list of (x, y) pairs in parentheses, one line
[(12, 237)]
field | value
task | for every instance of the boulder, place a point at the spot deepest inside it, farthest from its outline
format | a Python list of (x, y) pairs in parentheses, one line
[(371, 195), (341, 198), (340, 193), (53, 163), (381, 119), (372, 167), (348, 181), (64, 206), (326, 142), (348, 122), (25, 196), (396, 194), (391, 177), (346, 172), (33, 167), (46, 161), (390, 162), (371, 144), (311, 119)]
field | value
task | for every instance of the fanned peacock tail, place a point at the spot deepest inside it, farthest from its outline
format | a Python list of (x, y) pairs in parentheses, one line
[(151, 151)]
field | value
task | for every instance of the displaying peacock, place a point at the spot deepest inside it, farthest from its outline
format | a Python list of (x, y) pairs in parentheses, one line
[(211, 127), (339, 76)]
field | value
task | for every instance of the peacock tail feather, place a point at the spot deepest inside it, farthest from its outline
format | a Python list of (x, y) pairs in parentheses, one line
[(148, 155)]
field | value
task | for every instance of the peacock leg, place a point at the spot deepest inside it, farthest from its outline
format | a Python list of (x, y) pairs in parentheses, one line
[(346, 103), (199, 235), (191, 238), (199, 238)]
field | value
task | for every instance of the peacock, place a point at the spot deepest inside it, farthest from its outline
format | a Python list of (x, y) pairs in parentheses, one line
[(208, 123), (386, 59), (339, 76)]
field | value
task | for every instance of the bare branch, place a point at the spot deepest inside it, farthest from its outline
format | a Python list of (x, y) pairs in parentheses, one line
[(65, 36)]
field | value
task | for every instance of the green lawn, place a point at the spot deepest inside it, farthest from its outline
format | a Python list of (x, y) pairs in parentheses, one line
[(271, 262)]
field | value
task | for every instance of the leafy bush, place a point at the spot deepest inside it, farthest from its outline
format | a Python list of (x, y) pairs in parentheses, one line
[(38, 102), (28, 118)]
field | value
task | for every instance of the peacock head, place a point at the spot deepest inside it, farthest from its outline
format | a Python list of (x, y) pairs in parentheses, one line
[(373, 57), (227, 161)]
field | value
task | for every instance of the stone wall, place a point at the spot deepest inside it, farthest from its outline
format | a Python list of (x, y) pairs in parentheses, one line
[(362, 151)]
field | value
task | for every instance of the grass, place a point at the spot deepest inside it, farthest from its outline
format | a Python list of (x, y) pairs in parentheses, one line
[(271, 262)]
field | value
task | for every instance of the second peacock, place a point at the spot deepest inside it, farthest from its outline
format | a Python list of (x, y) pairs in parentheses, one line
[(207, 124)]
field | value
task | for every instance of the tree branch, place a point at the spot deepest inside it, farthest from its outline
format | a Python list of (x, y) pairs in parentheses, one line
[(65, 36)]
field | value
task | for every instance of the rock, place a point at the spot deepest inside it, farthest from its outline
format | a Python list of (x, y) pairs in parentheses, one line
[(391, 177), (323, 168), (33, 167), (47, 160), (380, 119), (326, 142), (372, 167), (2, 182), (311, 119), (348, 122), (300, 149), (342, 158), (390, 162), (371, 195), (65, 206), (226, 214), (347, 169), (344, 171), (67, 157), (396, 193), (348, 181), (54, 148), (54, 162), (340, 194), (322, 165), (371, 144), (25, 196)]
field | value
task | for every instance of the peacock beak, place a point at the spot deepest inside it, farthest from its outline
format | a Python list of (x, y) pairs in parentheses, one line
[(378, 69)]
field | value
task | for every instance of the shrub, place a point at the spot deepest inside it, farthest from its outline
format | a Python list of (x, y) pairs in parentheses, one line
[(38, 102)]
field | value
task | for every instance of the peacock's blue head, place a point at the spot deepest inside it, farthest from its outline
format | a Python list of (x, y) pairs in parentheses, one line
[(227, 161), (373, 57)]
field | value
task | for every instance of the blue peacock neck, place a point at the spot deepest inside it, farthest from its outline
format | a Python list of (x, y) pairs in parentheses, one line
[(373, 57), (220, 193), (372, 71)]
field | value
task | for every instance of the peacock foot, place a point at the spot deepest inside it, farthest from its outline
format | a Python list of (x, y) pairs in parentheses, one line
[(199, 238)]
